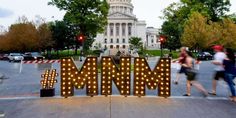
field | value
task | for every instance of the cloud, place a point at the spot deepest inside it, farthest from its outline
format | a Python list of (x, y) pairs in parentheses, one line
[(5, 13)]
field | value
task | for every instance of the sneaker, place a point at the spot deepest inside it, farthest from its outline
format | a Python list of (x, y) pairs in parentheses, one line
[(186, 94), (212, 93)]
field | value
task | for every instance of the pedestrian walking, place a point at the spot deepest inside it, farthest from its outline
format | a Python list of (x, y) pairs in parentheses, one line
[(219, 69), (230, 71), (191, 74), (181, 60)]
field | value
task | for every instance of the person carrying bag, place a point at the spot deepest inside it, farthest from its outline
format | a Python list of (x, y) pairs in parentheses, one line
[(191, 74)]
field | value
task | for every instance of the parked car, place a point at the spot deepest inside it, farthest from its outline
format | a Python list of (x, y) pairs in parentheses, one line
[(33, 56), (3, 56), (15, 57), (204, 56)]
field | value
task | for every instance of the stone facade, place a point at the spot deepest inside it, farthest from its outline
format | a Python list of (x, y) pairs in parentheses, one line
[(152, 38), (122, 24)]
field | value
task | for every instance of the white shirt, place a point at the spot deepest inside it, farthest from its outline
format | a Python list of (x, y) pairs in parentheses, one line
[(219, 57)]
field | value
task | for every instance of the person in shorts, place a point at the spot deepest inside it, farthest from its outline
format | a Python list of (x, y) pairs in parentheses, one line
[(219, 69), (191, 74), (181, 60)]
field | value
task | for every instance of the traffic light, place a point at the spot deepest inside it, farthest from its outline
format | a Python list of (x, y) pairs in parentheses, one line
[(80, 39), (162, 39)]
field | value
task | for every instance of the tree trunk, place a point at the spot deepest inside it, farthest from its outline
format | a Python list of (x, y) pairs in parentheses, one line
[(76, 48)]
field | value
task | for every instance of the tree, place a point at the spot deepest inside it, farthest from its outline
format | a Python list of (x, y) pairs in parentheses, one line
[(196, 32), (232, 17), (22, 37), (227, 35), (177, 14), (59, 31), (45, 37), (172, 33), (89, 15), (217, 8), (136, 43)]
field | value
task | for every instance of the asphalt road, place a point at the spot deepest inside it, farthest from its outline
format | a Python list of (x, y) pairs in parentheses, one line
[(19, 98), (28, 81)]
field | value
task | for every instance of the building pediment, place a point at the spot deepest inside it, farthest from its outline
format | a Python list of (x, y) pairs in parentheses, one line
[(118, 15)]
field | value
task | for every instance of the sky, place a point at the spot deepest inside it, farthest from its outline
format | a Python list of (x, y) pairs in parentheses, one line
[(11, 10)]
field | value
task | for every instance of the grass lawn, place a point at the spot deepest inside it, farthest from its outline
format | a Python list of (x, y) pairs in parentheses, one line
[(158, 53), (71, 53)]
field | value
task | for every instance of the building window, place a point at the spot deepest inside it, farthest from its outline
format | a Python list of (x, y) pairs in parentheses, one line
[(117, 41), (123, 29), (117, 46), (105, 32), (111, 41), (117, 30), (105, 47), (123, 41), (105, 40), (123, 46), (129, 29), (111, 46), (111, 29), (152, 41)]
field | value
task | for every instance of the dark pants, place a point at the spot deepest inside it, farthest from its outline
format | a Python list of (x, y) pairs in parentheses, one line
[(229, 79)]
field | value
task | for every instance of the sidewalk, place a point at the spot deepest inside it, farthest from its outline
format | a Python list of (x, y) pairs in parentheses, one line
[(118, 107)]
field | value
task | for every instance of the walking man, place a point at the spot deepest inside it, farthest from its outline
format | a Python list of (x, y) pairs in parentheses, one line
[(219, 69)]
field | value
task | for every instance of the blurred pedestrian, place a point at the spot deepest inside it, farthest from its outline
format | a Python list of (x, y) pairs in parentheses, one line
[(230, 71), (219, 70), (191, 74), (181, 60)]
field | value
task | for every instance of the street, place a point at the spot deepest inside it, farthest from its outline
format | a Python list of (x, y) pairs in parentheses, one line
[(19, 98), (28, 81)]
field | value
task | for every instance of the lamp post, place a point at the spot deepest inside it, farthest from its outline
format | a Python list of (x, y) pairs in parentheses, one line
[(80, 39)]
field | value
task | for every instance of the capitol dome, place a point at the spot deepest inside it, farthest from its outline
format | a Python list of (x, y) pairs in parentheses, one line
[(121, 26), (121, 6)]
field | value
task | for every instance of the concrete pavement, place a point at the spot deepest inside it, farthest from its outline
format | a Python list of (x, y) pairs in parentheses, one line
[(118, 107)]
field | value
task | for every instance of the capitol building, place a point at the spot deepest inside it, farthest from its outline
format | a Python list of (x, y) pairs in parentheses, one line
[(122, 25)]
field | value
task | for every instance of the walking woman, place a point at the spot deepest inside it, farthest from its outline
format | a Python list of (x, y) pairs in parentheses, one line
[(191, 76), (181, 60), (230, 71)]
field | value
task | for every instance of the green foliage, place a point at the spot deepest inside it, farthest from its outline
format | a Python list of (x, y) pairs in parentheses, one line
[(90, 16), (227, 34), (135, 43), (158, 53), (45, 37), (217, 8), (177, 14), (232, 17), (198, 34), (59, 31)]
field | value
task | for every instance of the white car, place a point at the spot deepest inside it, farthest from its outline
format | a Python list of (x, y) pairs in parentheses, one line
[(15, 57)]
